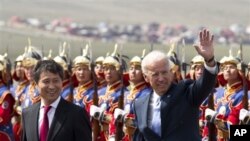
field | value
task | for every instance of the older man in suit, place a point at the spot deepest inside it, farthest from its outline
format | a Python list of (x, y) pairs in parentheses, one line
[(171, 111), (53, 119)]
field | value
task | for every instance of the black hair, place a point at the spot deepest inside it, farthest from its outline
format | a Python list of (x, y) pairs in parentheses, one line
[(175, 59), (34, 55), (124, 65), (47, 65)]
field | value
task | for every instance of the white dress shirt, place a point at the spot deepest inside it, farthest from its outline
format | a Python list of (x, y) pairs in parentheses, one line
[(210, 69), (51, 113), (152, 104)]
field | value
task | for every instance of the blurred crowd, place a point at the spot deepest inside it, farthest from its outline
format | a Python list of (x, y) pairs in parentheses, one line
[(148, 33)]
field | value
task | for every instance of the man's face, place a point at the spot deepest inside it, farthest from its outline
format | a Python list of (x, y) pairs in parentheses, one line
[(135, 74), (49, 86), (83, 74), (230, 72), (159, 77)]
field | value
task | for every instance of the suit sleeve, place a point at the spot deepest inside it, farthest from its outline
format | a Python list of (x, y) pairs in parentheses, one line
[(24, 138), (200, 89), (82, 126)]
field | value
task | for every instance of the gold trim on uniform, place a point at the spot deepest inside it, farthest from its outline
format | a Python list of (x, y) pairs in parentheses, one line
[(31, 93), (82, 89), (20, 87), (135, 89), (110, 90)]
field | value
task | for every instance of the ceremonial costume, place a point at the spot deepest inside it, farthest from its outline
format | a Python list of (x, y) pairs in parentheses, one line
[(68, 84), (228, 100), (111, 97), (6, 104)]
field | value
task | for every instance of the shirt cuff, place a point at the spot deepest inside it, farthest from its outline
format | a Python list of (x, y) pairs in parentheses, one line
[(210, 69)]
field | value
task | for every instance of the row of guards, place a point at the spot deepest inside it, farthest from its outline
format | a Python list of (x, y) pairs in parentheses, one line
[(107, 91)]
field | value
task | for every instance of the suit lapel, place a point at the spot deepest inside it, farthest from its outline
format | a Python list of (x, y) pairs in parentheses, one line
[(145, 110), (34, 119), (167, 101), (58, 120), (142, 111)]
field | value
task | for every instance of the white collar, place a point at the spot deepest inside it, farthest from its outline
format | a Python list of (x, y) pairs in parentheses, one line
[(54, 104), (155, 97)]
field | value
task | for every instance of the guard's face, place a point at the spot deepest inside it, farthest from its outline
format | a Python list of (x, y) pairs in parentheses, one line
[(98, 70), (230, 72), (159, 76), (135, 74), (198, 71), (19, 70), (83, 74), (29, 72), (49, 86), (111, 74)]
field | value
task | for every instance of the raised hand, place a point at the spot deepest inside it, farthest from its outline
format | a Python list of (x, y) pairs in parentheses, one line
[(205, 47)]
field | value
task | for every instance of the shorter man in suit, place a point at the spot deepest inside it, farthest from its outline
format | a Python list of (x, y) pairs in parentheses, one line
[(53, 119), (171, 111)]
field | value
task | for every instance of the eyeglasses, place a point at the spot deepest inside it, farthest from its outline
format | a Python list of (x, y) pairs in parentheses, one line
[(156, 75)]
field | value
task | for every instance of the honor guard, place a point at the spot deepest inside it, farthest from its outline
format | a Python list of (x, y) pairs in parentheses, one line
[(111, 96), (139, 88), (68, 86), (228, 100), (26, 92), (6, 102), (83, 93), (99, 72), (18, 73), (19, 85)]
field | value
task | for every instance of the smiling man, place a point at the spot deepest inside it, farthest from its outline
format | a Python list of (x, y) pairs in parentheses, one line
[(53, 118), (170, 112)]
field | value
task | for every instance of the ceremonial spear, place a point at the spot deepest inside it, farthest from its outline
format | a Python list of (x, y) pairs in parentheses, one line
[(96, 126), (119, 132)]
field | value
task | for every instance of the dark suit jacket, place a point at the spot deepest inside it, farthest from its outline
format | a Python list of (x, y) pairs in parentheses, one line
[(70, 123), (179, 111)]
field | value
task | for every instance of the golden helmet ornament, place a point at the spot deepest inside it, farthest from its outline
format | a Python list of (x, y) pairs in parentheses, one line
[(82, 59)]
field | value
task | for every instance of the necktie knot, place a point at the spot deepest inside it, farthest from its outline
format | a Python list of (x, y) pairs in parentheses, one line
[(158, 103), (46, 109)]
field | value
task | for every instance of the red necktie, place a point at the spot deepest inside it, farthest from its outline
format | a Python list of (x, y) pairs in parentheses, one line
[(45, 124)]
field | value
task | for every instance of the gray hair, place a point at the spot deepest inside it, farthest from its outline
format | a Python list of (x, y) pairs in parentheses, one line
[(152, 58)]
